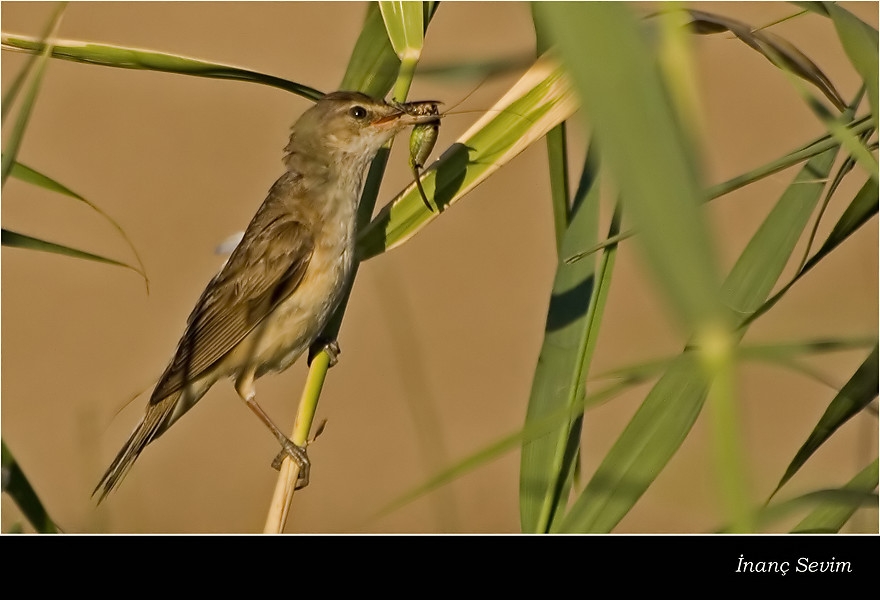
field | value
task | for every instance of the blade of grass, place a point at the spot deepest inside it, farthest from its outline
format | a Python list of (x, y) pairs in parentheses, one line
[(861, 46), (16, 484), (837, 499), (658, 179), (540, 100), (38, 68), (857, 127), (18, 240), (858, 392), (860, 211), (664, 419), (845, 169), (533, 430), (560, 374), (830, 518), (14, 87), (122, 57), (25, 173), (406, 32), (557, 152), (777, 50)]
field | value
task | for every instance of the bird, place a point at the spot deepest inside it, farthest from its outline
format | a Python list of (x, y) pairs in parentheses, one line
[(285, 278)]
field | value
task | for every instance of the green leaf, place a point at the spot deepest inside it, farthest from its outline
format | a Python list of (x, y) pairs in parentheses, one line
[(777, 50), (36, 71), (560, 376), (25, 173), (406, 31), (667, 414), (646, 152), (806, 152), (18, 240), (860, 210), (831, 517), (858, 392), (861, 46), (149, 60), (16, 484), (540, 100), (373, 66), (15, 87)]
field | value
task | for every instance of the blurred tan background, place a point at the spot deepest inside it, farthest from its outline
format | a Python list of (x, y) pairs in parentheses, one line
[(441, 336)]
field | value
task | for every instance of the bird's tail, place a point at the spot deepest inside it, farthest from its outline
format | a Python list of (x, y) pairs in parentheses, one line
[(154, 423)]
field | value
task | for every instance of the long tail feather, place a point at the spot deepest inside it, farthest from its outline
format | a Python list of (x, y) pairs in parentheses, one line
[(147, 430)]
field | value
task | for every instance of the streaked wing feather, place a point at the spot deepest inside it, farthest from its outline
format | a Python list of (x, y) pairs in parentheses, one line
[(263, 271)]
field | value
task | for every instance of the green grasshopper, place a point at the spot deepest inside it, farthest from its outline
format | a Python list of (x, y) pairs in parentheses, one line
[(422, 139)]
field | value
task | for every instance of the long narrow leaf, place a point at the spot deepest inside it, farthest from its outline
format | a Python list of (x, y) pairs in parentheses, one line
[(560, 375), (856, 127), (373, 66), (831, 517), (649, 158), (38, 68), (539, 101), (14, 87), (858, 392), (406, 32), (25, 173), (18, 240), (16, 484), (860, 43), (860, 211), (137, 58), (778, 51), (666, 416)]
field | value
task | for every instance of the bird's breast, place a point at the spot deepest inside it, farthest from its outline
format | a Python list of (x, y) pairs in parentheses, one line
[(299, 319)]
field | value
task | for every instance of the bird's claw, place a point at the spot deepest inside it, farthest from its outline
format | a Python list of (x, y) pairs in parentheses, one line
[(331, 347), (298, 455)]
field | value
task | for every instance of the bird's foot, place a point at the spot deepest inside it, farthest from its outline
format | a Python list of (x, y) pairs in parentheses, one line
[(330, 346), (299, 456)]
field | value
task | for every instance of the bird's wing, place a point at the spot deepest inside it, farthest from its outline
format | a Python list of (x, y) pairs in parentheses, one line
[(264, 270)]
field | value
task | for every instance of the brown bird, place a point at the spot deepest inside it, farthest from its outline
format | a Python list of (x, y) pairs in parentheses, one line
[(284, 280)]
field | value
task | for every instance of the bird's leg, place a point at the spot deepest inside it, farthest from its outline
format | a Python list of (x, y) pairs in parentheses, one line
[(296, 453), (331, 346)]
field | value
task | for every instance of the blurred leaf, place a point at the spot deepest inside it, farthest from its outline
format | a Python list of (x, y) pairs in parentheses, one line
[(557, 152), (134, 58), (25, 173), (778, 51), (18, 240), (535, 104), (855, 144), (831, 517), (667, 414), (560, 375), (860, 43), (15, 86), (839, 500), (858, 392), (845, 168), (650, 159), (814, 148), (35, 70), (16, 484), (532, 430), (477, 69), (860, 211)]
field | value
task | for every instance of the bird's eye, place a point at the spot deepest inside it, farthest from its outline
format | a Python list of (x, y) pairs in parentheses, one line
[(358, 112)]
